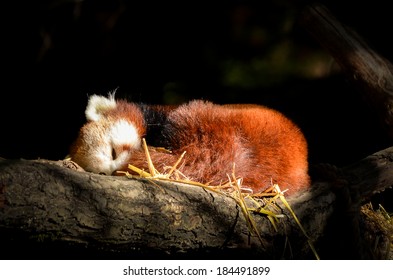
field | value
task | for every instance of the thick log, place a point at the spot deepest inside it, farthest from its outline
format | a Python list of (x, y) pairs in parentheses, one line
[(131, 217), (48, 209)]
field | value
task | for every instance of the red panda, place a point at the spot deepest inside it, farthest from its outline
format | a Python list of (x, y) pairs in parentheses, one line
[(265, 146)]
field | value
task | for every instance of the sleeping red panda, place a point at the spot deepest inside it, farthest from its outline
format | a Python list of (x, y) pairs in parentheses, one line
[(265, 146)]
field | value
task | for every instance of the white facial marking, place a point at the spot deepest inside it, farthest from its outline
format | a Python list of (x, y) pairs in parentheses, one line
[(121, 133), (124, 133)]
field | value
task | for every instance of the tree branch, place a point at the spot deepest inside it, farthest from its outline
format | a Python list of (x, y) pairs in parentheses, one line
[(365, 69)]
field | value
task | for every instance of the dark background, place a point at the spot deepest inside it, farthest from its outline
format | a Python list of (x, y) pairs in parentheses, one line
[(58, 52)]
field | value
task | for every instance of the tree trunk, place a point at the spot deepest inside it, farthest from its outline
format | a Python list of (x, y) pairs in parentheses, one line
[(131, 217), (47, 210)]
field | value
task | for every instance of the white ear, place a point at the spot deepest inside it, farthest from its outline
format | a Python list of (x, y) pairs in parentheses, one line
[(98, 105)]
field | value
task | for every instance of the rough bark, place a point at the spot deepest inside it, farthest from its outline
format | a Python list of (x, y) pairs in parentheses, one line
[(48, 209), (45, 201)]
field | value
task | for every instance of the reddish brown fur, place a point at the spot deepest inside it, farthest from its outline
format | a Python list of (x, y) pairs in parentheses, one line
[(265, 146)]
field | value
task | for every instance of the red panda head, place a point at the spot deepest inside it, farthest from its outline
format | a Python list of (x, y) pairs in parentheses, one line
[(113, 131)]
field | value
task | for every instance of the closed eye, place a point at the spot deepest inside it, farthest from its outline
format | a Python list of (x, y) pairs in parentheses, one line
[(114, 155)]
